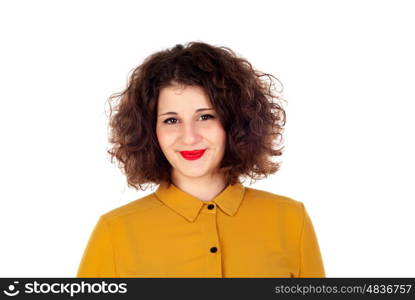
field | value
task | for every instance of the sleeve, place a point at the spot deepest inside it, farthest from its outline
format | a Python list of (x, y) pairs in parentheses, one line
[(311, 263), (98, 256)]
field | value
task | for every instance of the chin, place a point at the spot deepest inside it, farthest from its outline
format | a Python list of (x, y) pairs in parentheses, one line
[(197, 172)]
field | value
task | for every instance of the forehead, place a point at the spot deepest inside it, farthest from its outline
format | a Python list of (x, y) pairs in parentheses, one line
[(177, 97)]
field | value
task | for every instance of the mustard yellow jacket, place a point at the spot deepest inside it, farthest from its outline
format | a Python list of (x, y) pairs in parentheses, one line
[(242, 232)]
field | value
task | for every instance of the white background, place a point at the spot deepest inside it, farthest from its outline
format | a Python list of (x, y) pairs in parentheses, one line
[(348, 71)]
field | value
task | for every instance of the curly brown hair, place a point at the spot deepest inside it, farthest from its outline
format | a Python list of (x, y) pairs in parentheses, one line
[(246, 104)]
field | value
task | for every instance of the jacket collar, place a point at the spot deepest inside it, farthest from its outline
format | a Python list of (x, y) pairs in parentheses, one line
[(189, 206)]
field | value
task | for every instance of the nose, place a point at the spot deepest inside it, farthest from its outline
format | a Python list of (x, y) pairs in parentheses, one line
[(190, 134)]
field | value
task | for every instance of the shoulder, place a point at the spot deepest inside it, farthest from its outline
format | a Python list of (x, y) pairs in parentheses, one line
[(273, 200), (132, 209)]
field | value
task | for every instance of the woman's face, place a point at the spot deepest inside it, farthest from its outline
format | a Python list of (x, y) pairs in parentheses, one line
[(186, 121)]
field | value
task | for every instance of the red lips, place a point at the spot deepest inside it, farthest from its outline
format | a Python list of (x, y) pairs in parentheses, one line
[(192, 155)]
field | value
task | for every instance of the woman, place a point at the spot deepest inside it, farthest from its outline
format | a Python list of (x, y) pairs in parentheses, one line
[(195, 119)]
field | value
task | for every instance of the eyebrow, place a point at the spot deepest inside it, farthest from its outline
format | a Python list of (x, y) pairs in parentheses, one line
[(175, 113)]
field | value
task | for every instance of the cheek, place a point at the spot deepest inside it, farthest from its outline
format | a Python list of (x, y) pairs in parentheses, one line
[(165, 138), (219, 137), (160, 137), (223, 141)]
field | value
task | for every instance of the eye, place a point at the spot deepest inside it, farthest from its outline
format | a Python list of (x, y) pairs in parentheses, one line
[(210, 116), (167, 120)]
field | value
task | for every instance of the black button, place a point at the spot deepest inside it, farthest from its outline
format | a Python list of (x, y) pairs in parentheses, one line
[(213, 249), (211, 206)]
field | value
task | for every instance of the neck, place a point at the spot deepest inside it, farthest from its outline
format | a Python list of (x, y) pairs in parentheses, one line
[(203, 188)]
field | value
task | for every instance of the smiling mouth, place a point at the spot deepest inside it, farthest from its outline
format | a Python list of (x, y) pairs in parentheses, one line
[(192, 155)]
